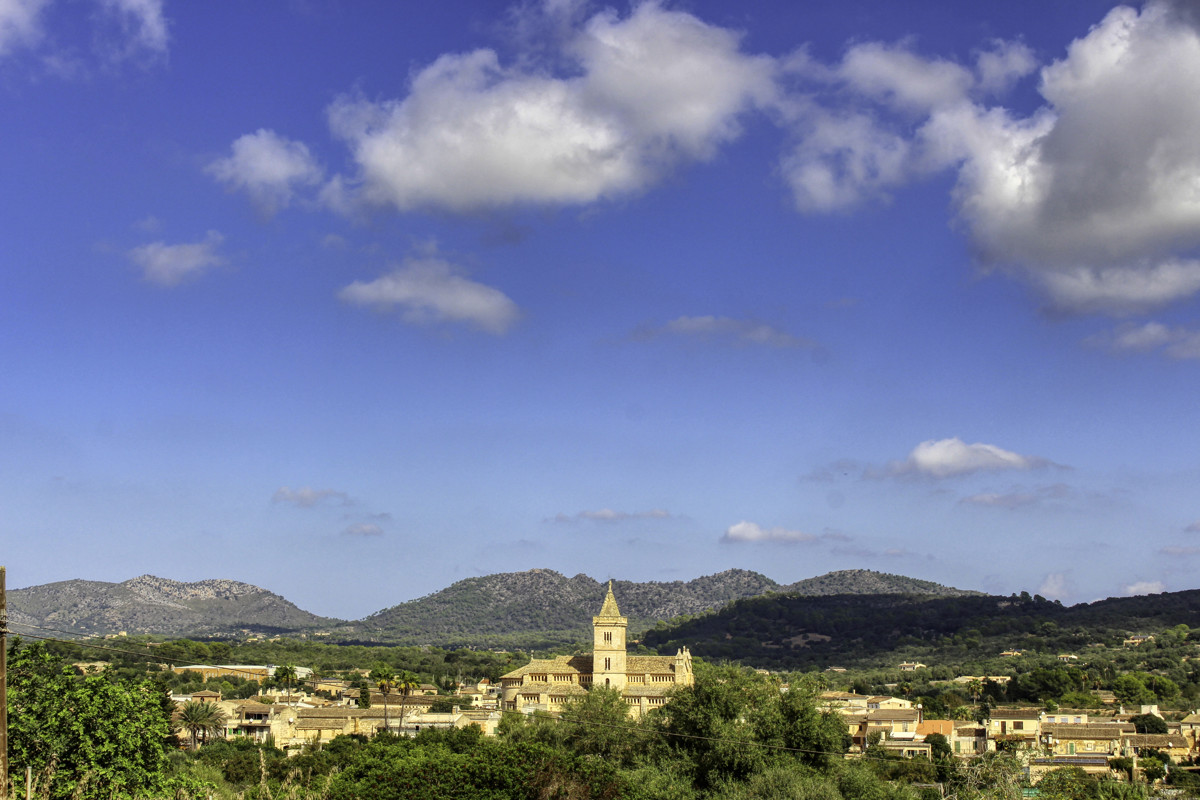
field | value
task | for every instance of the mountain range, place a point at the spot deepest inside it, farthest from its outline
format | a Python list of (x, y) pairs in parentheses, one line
[(538, 607)]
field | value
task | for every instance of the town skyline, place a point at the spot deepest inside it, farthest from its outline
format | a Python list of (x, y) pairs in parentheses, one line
[(354, 301)]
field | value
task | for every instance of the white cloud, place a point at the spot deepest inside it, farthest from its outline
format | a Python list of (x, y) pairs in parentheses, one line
[(268, 167), (737, 330), (1056, 586), (1091, 199), (752, 532), (1180, 550), (1175, 342), (20, 23), (945, 458), (654, 88), (308, 497), (1144, 587), (1002, 64), (608, 515), (363, 529), (843, 159), (1094, 199), (1193, 528), (171, 264), (142, 23), (141, 28), (431, 290), (895, 76)]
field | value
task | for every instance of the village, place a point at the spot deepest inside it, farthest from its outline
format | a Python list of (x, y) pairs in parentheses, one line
[(305, 710)]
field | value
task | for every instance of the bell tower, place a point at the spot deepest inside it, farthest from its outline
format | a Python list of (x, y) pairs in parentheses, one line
[(608, 640)]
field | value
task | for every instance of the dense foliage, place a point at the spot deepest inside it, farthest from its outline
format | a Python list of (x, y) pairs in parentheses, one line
[(799, 632), (93, 736)]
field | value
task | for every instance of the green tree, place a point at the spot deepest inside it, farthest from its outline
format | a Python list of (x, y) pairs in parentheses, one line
[(385, 680), (285, 675), (1148, 723), (83, 736), (200, 719), (598, 724), (405, 683)]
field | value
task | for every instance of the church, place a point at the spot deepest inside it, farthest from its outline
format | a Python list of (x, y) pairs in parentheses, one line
[(547, 684)]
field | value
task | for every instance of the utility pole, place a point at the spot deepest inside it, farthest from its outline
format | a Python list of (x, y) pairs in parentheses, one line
[(3, 686)]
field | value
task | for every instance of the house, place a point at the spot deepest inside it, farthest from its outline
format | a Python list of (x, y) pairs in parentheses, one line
[(968, 739), (911, 666), (250, 719), (1012, 653), (1067, 658), (1134, 641), (1069, 739), (1171, 744), (1020, 725), (643, 681), (1189, 728)]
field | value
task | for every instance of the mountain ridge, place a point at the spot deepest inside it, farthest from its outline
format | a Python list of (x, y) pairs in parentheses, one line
[(535, 607)]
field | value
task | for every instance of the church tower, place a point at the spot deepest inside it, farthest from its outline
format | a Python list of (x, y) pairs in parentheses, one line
[(608, 651)]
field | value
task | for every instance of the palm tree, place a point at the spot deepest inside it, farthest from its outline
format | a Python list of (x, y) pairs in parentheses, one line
[(200, 719), (974, 688), (286, 674), (385, 679), (405, 683)]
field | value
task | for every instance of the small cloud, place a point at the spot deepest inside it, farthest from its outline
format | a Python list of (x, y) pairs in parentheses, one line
[(1144, 587), (1193, 528), (898, 552), (745, 332), (267, 167), (752, 532), (608, 515), (431, 290), (363, 529), (1175, 342), (1056, 586), (947, 458), (334, 241), (1179, 550), (149, 224), (171, 264), (1018, 498), (308, 497)]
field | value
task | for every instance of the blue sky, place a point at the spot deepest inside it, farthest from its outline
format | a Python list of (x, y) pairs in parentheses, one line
[(354, 300)]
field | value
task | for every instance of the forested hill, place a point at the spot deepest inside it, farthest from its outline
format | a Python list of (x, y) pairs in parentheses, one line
[(147, 604), (865, 581), (544, 607), (789, 631)]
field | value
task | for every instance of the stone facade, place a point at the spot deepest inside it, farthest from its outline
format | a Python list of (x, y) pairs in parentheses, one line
[(547, 684)]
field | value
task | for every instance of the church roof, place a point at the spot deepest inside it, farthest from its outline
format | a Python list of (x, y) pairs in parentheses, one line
[(609, 611), (637, 665)]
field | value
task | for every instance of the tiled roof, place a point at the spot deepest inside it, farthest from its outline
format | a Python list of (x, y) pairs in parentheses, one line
[(1103, 731), (1158, 740), (562, 665), (637, 665), (324, 724), (1016, 713)]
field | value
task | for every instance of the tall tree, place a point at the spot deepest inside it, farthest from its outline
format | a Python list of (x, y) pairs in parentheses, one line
[(405, 683), (385, 679), (286, 675)]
